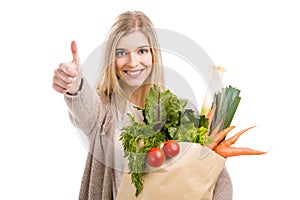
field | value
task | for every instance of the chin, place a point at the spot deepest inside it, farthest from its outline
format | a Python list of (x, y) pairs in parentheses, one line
[(135, 83)]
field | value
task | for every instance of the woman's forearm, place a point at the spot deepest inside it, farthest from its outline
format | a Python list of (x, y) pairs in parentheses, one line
[(84, 107)]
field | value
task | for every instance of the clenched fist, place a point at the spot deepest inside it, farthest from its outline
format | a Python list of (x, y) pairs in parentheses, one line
[(66, 78)]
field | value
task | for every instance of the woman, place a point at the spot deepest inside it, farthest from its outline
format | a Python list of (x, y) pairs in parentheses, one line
[(132, 62)]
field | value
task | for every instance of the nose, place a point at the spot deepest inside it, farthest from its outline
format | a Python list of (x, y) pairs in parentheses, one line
[(133, 60)]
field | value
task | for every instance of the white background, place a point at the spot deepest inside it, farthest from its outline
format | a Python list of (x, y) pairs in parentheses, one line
[(258, 42)]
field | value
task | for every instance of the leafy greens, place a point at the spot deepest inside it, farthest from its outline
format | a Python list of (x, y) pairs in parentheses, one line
[(165, 117)]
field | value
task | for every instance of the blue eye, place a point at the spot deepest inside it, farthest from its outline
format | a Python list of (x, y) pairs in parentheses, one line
[(143, 51), (120, 53)]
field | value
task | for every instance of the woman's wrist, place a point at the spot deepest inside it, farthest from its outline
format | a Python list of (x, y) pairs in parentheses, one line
[(77, 87)]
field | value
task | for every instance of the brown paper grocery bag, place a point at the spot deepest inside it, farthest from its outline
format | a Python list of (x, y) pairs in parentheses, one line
[(190, 175)]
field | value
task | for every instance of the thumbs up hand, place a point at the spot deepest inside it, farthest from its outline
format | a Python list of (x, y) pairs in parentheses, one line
[(66, 78)]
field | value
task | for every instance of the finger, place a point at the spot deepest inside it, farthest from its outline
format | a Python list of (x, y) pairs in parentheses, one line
[(62, 75), (74, 50), (59, 82), (59, 89), (68, 69)]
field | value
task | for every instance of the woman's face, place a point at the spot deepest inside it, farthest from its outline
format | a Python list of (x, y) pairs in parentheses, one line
[(133, 59)]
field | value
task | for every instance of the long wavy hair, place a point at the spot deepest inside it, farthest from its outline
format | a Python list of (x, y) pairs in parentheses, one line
[(126, 23)]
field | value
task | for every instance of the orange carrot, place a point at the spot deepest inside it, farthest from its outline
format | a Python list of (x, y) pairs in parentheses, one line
[(217, 138), (233, 139), (214, 132), (210, 114), (224, 148), (236, 151)]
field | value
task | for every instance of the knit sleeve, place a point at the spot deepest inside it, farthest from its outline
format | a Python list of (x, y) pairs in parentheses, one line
[(84, 108), (223, 188)]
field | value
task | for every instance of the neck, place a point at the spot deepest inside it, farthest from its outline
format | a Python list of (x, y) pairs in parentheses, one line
[(138, 97)]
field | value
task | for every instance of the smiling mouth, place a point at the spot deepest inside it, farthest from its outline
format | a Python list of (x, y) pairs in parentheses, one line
[(133, 72)]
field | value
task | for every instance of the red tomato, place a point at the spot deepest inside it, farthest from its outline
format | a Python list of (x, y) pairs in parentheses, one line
[(155, 157), (171, 148)]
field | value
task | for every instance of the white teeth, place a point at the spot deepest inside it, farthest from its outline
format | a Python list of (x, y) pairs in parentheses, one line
[(134, 72)]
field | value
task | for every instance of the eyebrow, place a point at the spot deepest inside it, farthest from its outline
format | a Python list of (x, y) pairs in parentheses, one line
[(140, 47)]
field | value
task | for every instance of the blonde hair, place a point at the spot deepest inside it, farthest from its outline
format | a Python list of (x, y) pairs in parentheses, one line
[(125, 24)]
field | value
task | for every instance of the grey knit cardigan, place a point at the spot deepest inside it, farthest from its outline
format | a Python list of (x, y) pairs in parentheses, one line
[(93, 115)]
